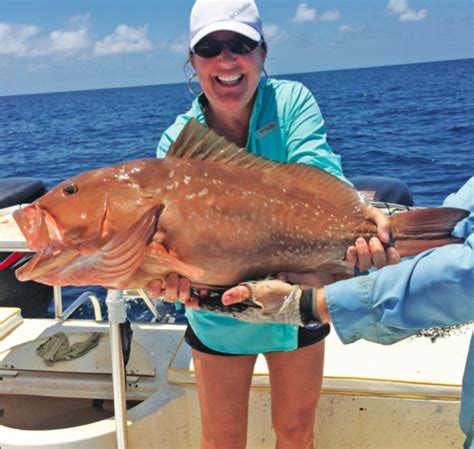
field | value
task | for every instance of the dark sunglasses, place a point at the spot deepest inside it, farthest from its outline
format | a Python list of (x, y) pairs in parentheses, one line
[(208, 47)]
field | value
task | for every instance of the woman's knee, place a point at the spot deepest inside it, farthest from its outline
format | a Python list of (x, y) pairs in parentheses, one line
[(296, 427), (296, 433)]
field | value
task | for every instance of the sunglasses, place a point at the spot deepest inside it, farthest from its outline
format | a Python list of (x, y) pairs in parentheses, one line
[(208, 47)]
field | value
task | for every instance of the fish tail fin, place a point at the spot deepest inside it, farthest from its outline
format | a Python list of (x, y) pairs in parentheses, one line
[(416, 231)]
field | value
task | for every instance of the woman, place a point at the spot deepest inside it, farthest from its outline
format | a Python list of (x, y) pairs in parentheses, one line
[(279, 120)]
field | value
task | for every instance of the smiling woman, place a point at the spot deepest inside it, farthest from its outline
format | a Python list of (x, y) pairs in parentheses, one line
[(279, 120)]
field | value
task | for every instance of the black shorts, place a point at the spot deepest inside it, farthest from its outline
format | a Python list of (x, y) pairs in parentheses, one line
[(306, 337)]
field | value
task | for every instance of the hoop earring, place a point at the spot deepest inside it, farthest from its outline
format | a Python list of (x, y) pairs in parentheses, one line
[(265, 75), (190, 86)]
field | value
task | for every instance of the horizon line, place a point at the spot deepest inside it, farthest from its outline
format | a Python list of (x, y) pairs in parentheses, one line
[(275, 74)]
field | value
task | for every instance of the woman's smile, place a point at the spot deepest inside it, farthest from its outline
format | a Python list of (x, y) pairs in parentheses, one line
[(229, 80)]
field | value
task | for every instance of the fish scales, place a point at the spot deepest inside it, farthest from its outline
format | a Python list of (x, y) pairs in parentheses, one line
[(211, 212)]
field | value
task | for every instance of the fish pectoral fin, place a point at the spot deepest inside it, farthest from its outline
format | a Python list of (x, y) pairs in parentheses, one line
[(165, 262), (341, 269)]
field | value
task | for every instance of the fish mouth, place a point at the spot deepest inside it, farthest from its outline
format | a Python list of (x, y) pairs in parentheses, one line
[(44, 236), (38, 226), (56, 262)]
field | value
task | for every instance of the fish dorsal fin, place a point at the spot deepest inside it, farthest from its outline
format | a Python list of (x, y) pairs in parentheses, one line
[(199, 143)]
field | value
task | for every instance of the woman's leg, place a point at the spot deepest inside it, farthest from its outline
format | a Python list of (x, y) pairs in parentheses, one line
[(296, 378), (223, 385)]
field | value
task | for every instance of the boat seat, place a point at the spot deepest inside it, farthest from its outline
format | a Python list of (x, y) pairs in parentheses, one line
[(19, 190), (368, 369), (384, 189)]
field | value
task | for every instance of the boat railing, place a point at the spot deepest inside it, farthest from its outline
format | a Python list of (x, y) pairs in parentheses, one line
[(156, 307), (83, 297)]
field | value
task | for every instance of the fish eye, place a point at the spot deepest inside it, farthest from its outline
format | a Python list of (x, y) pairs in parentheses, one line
[(70, 189)]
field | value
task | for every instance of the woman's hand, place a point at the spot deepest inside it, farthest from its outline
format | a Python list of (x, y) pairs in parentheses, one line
[(174, 288), (373, 254)]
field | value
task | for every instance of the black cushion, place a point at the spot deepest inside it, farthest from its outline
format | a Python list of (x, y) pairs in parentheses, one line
[(387, 190), (19, 190)]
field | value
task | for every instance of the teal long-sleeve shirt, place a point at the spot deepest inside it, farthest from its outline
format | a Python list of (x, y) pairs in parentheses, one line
[(435, 288), (286, 125)]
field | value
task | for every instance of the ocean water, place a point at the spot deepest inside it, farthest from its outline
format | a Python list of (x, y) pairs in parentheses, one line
[(412, 122)]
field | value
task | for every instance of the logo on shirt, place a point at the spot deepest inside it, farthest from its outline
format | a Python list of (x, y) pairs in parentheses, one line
[(266, 129)]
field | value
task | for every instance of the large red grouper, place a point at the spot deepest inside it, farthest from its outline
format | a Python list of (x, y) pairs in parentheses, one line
[(211, 212)]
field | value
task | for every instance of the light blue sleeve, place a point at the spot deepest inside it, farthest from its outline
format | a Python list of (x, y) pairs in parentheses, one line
[(436, 288), (433, 289), (306, 137), (171, 134)]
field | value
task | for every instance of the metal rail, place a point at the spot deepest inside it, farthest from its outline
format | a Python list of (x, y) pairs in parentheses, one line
[(77, 303), (156, 307)]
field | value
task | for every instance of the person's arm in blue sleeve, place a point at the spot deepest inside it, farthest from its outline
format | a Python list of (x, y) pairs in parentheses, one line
[(306, 134), (170, 135), (433, 289)]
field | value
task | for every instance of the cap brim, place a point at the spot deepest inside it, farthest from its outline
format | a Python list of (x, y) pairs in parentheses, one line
[(229, 25)]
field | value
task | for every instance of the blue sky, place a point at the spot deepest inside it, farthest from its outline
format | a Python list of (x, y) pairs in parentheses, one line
[(60, 45)]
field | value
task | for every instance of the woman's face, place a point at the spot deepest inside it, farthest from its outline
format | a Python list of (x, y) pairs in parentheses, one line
[(229, 80)]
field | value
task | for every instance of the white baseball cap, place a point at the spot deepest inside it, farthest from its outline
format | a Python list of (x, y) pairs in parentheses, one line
[(208, 16)]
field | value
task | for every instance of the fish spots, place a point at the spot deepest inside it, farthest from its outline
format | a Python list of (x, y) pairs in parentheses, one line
[(203, 192), (171, 174), (187, 179), (83, 216), (190, 196), (172, 186), (122, 175)]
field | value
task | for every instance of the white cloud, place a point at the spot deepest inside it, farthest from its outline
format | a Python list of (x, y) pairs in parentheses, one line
[(413, 16), (61, 41), (351, 28), (404, 12), (15, 39), (24, 41), (304, 14), (273, 34), (397, 6), (329, 16), (124, 39)]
